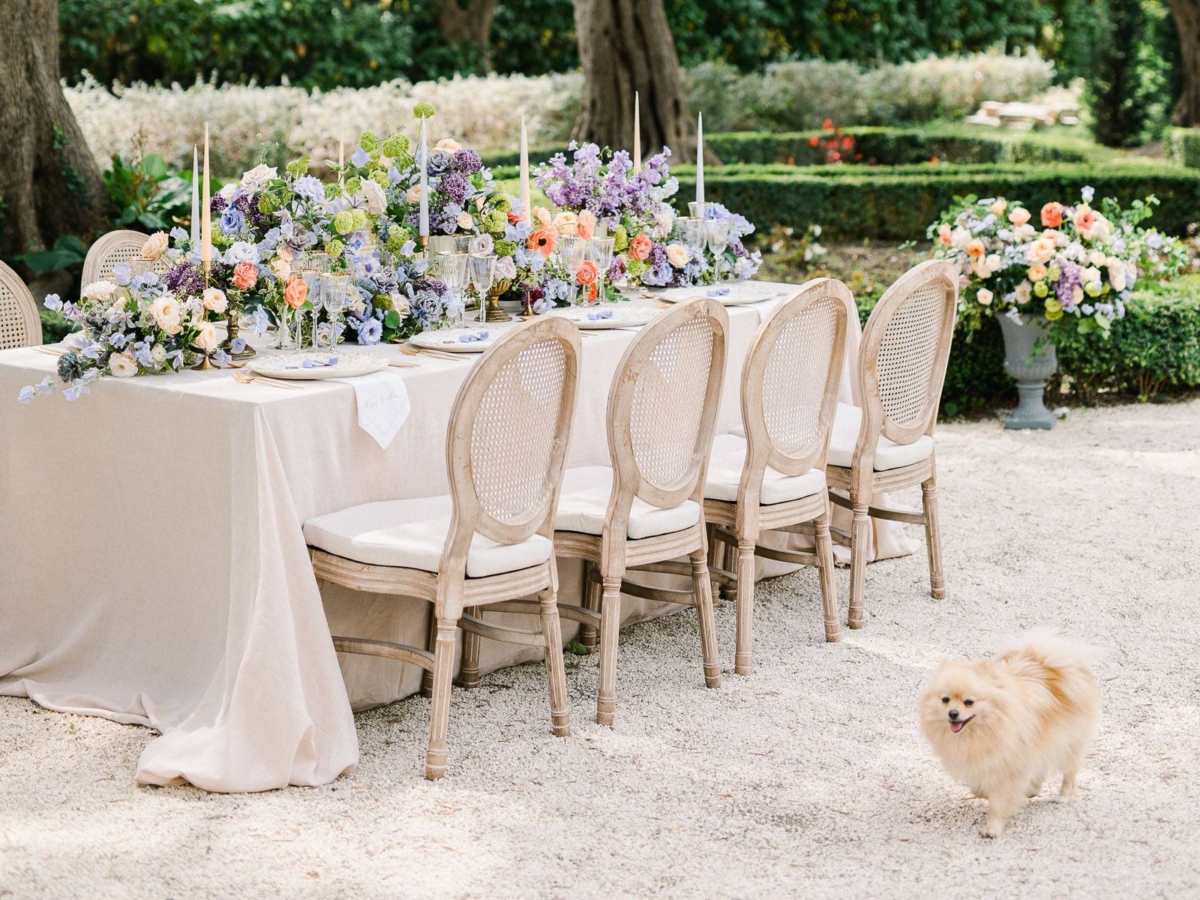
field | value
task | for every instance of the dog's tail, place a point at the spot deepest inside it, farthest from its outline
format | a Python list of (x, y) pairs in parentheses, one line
[(1061, 666)]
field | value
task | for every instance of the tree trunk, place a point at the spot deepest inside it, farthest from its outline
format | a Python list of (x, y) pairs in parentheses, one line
[(1187, 21), (469, 22), (49, 183), (626, 46)]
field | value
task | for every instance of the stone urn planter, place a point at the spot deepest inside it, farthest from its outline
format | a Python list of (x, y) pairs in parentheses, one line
[(1029, 363)]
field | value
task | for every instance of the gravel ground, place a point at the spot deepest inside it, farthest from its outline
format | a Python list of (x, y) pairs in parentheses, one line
[(808, 778)]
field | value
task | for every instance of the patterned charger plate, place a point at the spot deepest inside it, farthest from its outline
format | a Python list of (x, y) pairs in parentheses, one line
[(315, 366), (459, 340), (730, 293)]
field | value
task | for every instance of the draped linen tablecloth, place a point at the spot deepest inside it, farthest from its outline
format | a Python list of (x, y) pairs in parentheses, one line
[(153, 569)]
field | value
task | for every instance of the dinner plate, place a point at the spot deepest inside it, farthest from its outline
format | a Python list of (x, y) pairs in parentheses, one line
[(459, 340), (607, 316), (730, 293), (309, 366)]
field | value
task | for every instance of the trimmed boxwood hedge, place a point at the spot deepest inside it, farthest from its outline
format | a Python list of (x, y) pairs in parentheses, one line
[(898, 204), (1183, 146)]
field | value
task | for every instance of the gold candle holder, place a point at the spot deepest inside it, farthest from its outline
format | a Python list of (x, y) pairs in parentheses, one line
[(205, 364), (493, 312)]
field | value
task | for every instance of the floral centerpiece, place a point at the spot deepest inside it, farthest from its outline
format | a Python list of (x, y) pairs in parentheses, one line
[(135, 326)]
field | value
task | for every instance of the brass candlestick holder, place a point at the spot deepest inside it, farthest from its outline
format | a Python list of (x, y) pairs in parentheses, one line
[(527, 306), (205, 364), (492, 312), (232, 327)]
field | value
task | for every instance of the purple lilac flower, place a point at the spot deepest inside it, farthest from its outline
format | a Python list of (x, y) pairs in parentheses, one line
[(455, 187), (467, 161), (1070, 277), (185, 280), (217, 204)]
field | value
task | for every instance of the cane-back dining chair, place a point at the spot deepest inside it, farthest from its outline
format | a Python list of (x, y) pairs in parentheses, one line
[(119, 247), (773, 478), (647, 507), (887, 443), (491, 538), (20, 324)]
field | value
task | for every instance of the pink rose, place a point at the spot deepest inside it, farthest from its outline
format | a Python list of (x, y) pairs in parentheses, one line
[(155, 245), (245, 276), (296, 292), (1019, 216), (585, 226), (640, 246)]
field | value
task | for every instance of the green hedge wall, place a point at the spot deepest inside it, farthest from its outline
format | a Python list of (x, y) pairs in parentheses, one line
[(1183, 146), (852, 203)]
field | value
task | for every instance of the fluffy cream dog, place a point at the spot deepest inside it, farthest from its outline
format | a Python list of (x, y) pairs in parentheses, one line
[(1004, 725)]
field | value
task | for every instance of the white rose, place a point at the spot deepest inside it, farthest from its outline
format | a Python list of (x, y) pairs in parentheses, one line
[(258, 178), (158, 353), (215, 300), (959, 238), (1096, 258), (228, 192), (400, 305), (449, 145), (664, 221), (993, 262), (1024, 292), (206, 337), (281, 267), (677, 255), (413, 196), (465, 222), (1041, 250), (99, 290), (984, 296), (1024, 232), (373, 193), (154, 246), (1091, 273), (166, 314), (1116, 276), (122, 365)]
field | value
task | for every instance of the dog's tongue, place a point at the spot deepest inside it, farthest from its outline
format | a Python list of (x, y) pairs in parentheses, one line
[(956, 727)]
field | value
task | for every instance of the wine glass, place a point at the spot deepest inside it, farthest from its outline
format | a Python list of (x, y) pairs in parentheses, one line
[(717, 234), (309, 265), (337, 294), (571, 251), (482, 275), (600, 251)]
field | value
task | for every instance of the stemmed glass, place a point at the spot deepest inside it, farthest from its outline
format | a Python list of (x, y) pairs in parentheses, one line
[(571, 252), (481, 274), (692, 233), (335, 295), (717, 234), (600, 251), (451, 268), (309, 265)]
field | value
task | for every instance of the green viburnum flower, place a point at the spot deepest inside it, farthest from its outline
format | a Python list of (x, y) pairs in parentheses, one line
[(360, 219), (380, 177), (1053, 273), (343, 222), (505, 248), (268, 203), (382, 301), (1041, 290), (397, 238), (1092, 289), (1054, 310), (396, 146), (369, 141), (332, 190), (636, 267), (334, 248), (620, 239), (502, 203), (495, 221), (298, 167), (353, 185), (423, 110)]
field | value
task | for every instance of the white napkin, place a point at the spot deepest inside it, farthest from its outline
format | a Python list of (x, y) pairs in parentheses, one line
[(383, 405)]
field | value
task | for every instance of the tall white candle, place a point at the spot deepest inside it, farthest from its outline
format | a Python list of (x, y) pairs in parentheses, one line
[(700, 158), (637, 134), (525, 195), (424, 223), (195, 196), (206, 212), (341, 155)]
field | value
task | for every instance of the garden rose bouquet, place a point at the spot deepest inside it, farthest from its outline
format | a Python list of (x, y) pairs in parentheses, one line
[(1064, 261), (135, 326)]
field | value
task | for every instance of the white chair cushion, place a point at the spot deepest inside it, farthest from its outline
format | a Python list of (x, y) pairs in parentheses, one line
[(725, 474), (411, 534), (583, 504), (888, 455)]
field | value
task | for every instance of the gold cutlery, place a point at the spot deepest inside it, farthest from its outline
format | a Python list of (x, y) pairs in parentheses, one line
[(243, 378)]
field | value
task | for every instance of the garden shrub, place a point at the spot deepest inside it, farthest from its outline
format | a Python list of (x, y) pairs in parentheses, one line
[(1183, 146)]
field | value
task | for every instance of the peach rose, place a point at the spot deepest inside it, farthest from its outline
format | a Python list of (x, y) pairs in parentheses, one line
[(585, 226), (1037, 272), (544, 240), (542, 216), (1042, 250), (245, 276), (296, 292), (566, 223), (640, 247), (1019, 216), (946, 234), (677, 255), (155, 246), (1052, 215), (449, 145), (975, 248), (587, 273)]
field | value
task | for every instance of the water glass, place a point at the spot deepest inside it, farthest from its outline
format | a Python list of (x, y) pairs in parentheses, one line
[(571, 253), (600, 251), (717, 234), (481, 272)]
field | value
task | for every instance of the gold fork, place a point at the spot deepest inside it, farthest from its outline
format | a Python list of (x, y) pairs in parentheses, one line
[(243, 378)]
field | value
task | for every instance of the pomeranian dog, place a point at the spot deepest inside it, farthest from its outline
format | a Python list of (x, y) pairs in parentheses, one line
[(1004, 725)]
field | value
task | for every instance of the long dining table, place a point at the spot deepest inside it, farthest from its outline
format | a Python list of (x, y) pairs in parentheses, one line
[(153, 568)]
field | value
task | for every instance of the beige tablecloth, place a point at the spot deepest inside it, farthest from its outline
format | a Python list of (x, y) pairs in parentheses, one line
[(153, 570)]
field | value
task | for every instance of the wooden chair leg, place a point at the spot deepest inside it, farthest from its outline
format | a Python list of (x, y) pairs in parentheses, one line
[(468, 675), (556, 673), (591, 600), (729, 555), (933, 538), (439, 711), (610, 627), (860, 537), (824, 547), (431, 645), (708, 620), (744, 647)]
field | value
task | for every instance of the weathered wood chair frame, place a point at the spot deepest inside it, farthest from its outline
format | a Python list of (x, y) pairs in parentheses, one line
[(20, 322), (479, 480), (901, 369), (118, 247), (787, 427), (611, 554)]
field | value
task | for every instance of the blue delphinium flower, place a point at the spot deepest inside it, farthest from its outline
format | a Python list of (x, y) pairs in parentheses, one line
[(360, 157), (53, 301), (122, 273), (370, 331), (178, 234), (309, 188)]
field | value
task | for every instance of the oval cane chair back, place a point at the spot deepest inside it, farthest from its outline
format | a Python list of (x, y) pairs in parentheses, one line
[(20, 323), (663, 406), (905, 348), (508, 434), (791, 378), (118, 247)]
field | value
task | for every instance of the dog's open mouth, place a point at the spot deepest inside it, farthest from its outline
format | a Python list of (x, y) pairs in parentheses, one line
[(956, 727)]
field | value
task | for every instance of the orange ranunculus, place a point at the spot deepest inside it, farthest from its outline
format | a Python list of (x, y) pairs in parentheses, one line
[(587, 273), (975, 248), (245, 276), (544, 240), (296, 292), (1052, 215), (640, 246)]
